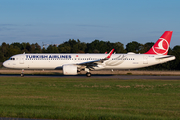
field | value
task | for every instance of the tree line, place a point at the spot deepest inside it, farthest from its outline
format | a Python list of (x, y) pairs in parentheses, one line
[(96, 46)]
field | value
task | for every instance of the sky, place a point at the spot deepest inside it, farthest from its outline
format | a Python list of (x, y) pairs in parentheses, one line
[(57, 21)]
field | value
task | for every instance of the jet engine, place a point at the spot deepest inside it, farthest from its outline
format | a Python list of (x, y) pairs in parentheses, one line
[(69, 70)]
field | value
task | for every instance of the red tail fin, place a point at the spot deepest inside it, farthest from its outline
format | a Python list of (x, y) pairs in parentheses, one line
[(161, 47)]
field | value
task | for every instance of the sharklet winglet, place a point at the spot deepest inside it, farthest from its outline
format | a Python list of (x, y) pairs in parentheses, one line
[(110, 53)]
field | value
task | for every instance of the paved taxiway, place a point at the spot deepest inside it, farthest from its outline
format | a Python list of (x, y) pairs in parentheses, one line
[(121, 77)]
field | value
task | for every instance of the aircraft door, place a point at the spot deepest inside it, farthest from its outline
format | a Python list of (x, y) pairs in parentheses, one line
[(145, 59), (21, 59)]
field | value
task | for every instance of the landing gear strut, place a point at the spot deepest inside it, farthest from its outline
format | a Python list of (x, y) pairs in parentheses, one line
[(22, 73), (88, 74)]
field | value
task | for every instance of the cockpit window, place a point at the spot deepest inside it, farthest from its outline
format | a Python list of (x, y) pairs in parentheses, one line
[(11, 58)]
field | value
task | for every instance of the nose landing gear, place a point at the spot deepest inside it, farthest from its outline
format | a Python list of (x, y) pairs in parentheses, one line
[(22, 73)]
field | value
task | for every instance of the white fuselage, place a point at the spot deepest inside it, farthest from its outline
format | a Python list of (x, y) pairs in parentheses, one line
[(56, 61)]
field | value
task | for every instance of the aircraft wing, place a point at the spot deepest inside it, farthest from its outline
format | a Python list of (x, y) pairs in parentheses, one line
[(95, 62)]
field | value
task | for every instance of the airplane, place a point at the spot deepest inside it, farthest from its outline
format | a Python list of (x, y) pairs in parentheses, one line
[(71, 64)]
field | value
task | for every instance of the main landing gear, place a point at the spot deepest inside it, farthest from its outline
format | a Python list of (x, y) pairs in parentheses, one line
[(22, 73), (88, 74)]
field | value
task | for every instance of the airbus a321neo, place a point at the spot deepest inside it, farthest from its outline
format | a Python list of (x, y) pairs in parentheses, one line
[(71, 64)]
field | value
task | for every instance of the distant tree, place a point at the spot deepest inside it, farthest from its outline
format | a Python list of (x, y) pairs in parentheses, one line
[(18, 45), (119, 47), (64, 48), (96, 51), (52, 49), (100, 46), (134, 47), (2, 58), (147, 46), (93, 46), (4, 48), (26, 47), (23, 45), (72, 46), (35, 48), (82, 47), (43, 50), (176, 52), (13, 50)]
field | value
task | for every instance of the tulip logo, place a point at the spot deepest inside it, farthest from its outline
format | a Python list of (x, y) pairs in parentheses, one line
[(161, 46)]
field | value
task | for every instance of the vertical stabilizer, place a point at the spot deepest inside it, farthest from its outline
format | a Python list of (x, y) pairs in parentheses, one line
[(161, 47)]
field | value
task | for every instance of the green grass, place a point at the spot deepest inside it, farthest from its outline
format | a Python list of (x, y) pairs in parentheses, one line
[(87, 98)]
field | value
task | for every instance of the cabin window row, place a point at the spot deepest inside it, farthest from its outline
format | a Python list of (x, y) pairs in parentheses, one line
[(123, 59), (80, 59), (64, 59)]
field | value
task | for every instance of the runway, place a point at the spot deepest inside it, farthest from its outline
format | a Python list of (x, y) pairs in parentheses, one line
[(120, 77)]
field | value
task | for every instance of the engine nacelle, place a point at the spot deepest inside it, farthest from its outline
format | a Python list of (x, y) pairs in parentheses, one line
[(69, 70)]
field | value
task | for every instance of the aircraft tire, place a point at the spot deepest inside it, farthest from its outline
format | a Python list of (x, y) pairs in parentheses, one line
[(88, 74), (22, 75)]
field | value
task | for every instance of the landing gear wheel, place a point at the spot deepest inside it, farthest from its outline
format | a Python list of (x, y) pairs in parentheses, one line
[(88, 74), (22, 74)]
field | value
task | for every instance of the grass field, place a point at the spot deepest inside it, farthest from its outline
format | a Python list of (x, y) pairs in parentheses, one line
[(88, 98)]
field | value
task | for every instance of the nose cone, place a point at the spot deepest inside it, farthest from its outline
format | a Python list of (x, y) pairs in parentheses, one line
[(5, 64)]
